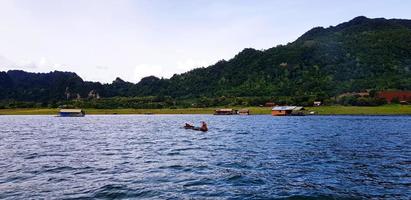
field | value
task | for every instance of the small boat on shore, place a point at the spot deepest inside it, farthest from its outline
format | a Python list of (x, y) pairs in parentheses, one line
[(71, 113)]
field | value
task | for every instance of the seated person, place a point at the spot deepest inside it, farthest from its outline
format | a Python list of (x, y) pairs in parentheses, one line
[(203, 127)]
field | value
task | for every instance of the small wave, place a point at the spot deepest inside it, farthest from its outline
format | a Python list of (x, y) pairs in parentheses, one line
[(31, 156), (65, 168), (193, 183), (187, 149), (171, 167), (112, 191), (235, 177), (37, 155), (317, 197), (239, 179), (173, 153)]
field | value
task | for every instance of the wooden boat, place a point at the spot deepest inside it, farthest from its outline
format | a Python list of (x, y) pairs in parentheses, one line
[(194, 128)]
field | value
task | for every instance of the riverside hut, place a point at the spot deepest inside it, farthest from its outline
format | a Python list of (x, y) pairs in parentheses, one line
[(287, 110), (72, 113), (225, 111)]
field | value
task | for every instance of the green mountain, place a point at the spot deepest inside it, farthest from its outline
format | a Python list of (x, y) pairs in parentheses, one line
[(353, 56)]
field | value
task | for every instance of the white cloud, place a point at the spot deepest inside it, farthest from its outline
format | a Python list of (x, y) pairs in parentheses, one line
[(103, 39), (192, 63), (27, 64), (40, 65), (161, 71), (102, 67), (5, 63), (143, 70)]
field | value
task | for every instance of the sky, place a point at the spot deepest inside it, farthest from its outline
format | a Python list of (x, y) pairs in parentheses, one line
[(104, 39)]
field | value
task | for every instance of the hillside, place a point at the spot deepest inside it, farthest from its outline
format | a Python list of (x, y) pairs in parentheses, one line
[(353, 56), (360, 54)]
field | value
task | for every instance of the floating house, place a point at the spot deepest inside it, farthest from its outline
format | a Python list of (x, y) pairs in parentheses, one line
[(244, 112), (225, 111), (287, 110), (71, 113)]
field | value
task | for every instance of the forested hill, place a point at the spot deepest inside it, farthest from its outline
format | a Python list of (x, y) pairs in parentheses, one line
[(353, 56)]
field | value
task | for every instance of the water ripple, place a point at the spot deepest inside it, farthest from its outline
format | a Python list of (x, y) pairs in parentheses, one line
[(254, 157)]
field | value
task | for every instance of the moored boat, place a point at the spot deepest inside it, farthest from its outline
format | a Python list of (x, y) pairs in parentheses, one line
[(71, 113)]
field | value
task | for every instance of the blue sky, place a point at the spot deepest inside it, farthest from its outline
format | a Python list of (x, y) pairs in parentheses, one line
[(104, 39)]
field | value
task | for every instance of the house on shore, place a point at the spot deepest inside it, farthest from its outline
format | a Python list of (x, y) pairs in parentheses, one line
[(400, 96), (72, 113), (287, 110), (225, 111)]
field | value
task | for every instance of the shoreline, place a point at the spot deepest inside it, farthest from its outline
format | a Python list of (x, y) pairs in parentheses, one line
[(321, 110)]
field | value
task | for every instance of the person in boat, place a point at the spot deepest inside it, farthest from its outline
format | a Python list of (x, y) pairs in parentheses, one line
[(203, 127)]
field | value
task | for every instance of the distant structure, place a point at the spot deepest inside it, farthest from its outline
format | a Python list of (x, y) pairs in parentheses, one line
[(244, 112), (270, 104), (287, 110), (401, 96), (317, 103), (72, 113), (357, 94), (225, 111), (67, 93), (93, 94)]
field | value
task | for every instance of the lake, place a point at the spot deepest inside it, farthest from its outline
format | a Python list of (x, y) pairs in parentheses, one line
[(240, 157)]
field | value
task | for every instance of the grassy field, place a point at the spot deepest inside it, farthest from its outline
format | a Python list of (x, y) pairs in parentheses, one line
[(322, 110), (92, 111), (363, 110)]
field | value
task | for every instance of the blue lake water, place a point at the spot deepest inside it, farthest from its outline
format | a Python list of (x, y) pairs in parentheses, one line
[(241, 157)]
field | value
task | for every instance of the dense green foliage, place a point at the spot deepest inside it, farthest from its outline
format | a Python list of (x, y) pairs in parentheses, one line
[(358, 55)]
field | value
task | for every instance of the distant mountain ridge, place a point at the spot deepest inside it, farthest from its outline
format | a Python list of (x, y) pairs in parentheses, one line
[(353, 56)]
